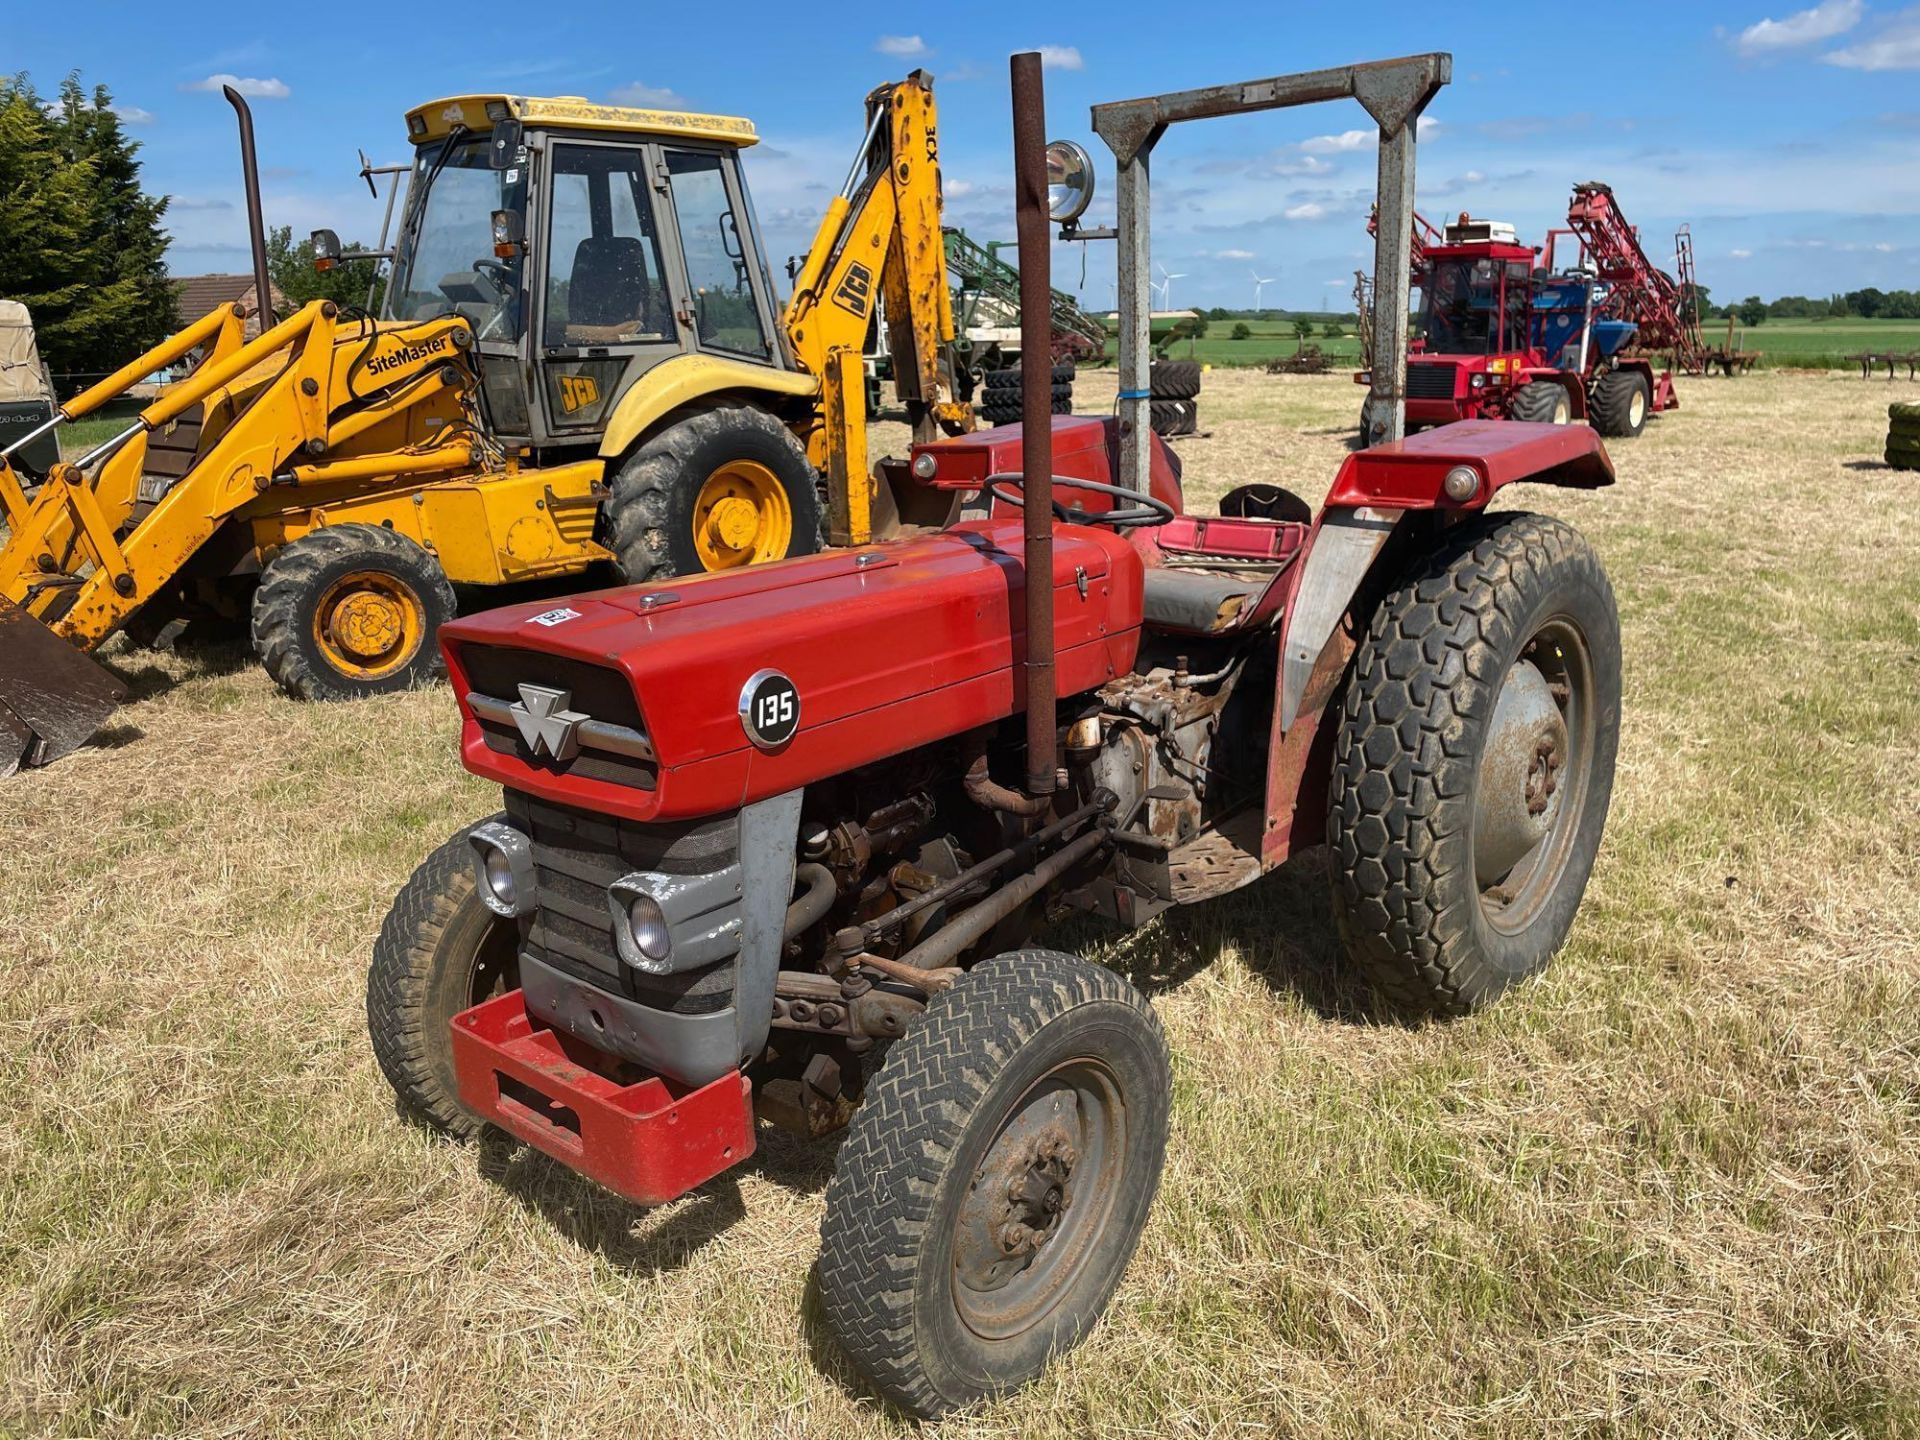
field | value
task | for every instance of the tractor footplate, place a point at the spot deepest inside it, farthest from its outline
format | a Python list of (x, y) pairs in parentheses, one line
[(650, 1139)]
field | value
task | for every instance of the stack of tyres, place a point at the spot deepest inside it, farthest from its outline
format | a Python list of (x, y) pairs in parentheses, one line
[(1000, 395), (1174, 407), (1903, 435)]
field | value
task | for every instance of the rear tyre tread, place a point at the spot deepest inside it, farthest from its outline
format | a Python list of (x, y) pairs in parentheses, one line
[(1401, 802)]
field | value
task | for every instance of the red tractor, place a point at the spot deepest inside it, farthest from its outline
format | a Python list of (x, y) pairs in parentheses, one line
[(1504, 336), (776, 843)]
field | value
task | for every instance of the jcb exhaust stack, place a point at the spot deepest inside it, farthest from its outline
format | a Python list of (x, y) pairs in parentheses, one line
[(1036, 408)]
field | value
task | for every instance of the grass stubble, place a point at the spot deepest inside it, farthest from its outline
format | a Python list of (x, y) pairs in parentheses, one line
[(1672, 1188)]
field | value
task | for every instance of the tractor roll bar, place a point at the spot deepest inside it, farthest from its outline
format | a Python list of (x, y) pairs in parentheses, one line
[(1394, 92)]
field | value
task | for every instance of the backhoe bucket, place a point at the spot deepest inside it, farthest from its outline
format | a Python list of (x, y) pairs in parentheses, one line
[(52, 697)]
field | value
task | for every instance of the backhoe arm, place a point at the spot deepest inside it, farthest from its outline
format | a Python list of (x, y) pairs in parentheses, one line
[(879, 237)]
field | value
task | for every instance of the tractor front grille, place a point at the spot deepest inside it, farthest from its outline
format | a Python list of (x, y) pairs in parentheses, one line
[(613, 745), (576, 856), (1432, 381)]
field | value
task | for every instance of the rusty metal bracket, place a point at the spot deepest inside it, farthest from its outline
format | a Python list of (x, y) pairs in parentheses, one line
[(1393, 92)]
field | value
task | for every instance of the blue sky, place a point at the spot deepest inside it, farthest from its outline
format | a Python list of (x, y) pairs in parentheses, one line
[(1788, 137)]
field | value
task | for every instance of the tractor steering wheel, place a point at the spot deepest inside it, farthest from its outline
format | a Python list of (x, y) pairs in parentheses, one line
[(1145, 509)]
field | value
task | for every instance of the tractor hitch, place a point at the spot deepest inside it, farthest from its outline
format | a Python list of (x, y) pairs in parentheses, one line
[(649, 1139)]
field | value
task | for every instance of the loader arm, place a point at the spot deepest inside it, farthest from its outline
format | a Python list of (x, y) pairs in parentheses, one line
[(879, 238), (97, 542)]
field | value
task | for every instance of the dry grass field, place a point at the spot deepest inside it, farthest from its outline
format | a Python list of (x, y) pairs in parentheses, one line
[(1672, 1188)]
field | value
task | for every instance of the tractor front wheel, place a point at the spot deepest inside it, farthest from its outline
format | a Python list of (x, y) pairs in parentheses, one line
[(1474, 763), (440, 951), (350, 610), (714, 490), (1541, 402), (995, 1179), (1621, 401)]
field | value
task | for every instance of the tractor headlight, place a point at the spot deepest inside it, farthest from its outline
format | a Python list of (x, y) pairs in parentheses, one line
[(502, 869), (1478, 382), (640, 930), (926, 465)]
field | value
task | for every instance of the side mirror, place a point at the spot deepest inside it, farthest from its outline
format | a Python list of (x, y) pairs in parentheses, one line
[(504, 149), (1069, 181), (509, 233), (326, 250)]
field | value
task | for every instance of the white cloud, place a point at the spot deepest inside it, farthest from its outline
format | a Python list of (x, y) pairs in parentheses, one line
[(1741, 254), (1426, 128), (1306, 210), (955, 189), (902, 47), (248, 86), (1884, 248), (1800, 29), (1060, 57), (1345, 141), (1895, 47), (647, 97), (1233, 254), (133, 115)]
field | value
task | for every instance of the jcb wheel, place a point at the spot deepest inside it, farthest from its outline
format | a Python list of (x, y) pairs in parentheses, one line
[(1621, 403), (721, 488), (995, 1180), (440, 951), (350, 610), (1474, 763), (1541, 402)]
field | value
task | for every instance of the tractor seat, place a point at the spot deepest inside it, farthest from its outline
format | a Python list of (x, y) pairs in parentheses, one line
[(608, 293), (1198, 602)]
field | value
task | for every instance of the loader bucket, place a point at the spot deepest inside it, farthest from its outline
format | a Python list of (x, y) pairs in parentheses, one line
[(52, 697)]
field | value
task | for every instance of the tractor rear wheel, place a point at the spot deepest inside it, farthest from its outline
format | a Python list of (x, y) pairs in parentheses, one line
[(1541, 402), (1175, 379), (1474, 763), (350, 610), (995, 1179), (1620, 404), (440, 951), (715, 490)]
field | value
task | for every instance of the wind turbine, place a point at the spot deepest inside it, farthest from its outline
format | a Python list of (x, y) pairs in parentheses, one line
[(1166, 284), (1260, 282)]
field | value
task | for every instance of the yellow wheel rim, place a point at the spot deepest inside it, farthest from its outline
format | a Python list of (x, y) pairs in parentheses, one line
[(741, 516), (369, 624)]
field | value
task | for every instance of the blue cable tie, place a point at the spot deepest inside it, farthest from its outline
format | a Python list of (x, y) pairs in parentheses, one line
[(1135, 395)]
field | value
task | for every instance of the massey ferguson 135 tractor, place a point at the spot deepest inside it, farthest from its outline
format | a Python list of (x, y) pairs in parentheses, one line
[(775, 843)]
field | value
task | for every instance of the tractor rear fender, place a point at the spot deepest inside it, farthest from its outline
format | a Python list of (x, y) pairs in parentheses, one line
[(1380, 491), (1576, 392), (673, 384)]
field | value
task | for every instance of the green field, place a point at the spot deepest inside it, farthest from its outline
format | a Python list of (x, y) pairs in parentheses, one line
[(1784, 344)]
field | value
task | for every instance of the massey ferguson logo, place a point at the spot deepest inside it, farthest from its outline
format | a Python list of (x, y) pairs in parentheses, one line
[(855, 292), (407, 355), (546, 724)]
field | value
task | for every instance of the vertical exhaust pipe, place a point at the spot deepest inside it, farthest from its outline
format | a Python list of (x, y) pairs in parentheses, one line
[(256, 230), (1036, 409)]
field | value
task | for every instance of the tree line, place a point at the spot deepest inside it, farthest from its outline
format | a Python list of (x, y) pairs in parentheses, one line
[(81, 244), (1867, 304)]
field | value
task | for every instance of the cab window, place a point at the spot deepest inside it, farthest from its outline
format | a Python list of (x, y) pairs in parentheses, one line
[(604, 275), (718, 272)]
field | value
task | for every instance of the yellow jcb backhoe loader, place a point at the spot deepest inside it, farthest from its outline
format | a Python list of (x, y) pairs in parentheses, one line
[(580, 361)]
